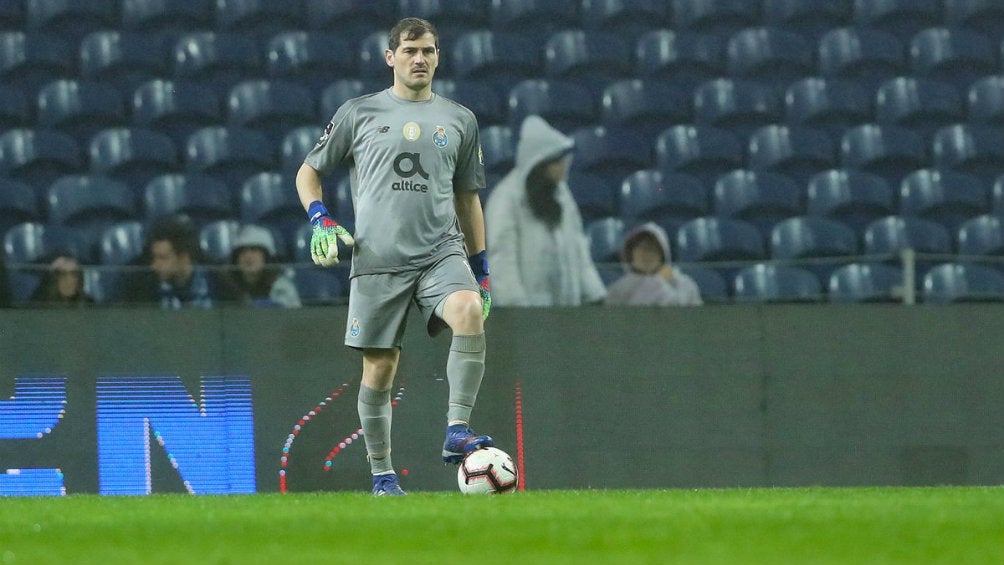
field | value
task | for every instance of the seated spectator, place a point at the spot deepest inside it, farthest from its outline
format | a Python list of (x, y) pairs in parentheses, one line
[(650, 279), (536, 243), (62, 285), (258, 280)]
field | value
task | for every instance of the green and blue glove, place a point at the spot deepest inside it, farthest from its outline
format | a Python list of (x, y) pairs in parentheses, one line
[(327, 232), (479, 266)]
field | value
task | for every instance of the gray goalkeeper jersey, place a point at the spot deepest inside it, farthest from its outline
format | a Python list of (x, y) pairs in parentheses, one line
[(405, 161)]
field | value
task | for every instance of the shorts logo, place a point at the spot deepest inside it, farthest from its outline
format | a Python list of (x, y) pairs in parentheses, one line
[(411, 131), (354, 328), (439, 137)]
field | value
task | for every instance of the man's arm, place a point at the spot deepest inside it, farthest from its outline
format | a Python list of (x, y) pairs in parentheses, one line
[(472, 219), (308, 185)]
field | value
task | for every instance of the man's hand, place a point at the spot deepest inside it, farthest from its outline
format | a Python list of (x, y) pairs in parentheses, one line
[(324, 239), (479, 266)]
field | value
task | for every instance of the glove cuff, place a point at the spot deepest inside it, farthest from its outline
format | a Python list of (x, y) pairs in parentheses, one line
[(316, 211), (479, 263)]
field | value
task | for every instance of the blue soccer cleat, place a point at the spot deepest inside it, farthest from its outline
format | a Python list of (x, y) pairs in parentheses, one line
[(386, 485), (461, 440)]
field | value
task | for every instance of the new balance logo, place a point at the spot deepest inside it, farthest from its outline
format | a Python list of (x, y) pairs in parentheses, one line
[(384, 129)]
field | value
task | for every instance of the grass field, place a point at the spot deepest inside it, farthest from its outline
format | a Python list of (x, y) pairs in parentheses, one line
[(956, 526)]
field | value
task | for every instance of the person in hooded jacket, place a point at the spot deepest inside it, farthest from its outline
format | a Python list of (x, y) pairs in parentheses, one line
[(536, 240), (258, 280), (649, 278)]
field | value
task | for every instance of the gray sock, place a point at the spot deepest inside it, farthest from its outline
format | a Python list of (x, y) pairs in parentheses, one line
[(375, 419), (465, 367)]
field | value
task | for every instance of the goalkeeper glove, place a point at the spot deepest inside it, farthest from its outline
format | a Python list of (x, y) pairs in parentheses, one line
[(479, 266), (327, 232)]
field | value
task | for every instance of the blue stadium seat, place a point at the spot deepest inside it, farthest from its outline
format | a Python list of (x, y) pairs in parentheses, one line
[(122, 243), (123, 59), (71, 19), (565, 105), (308, 58), (352, 18), (686, 59), (198, 198), (271, 107), (768, 283), (15, 110), (902, 18), (216, 240), (712, 238), (595, 196), (165, 17), (956, 56), (342, 90), (258, 18), (11, 14), (945, 197), (886, 238), (229, 154), (338, 198), (28, 61), (859, 283), (177, 108), (714, 289), (703, 151), (480, 97), (810, 18), (986, 16), (18, 204), (370, 63), (133, 155), (797, 152), (970, 149), (89, 201), (736, 104), (668, 199), (606, 235), (767, 54), (25, 243), (851, 197), (500, 59), (646, 107), (452, 18), (761, 198), (532, 18), (321, 287), (828, 104), (216, 60), (80, 108), (270, 200), (885, 150), (595, 58), (719, 17), (38, 157), (499, 148), (985, 101), (981, 236), (629, 18), (866, 56), (960, 282), (997, 197), (919, 104), (611, 154), (296, 144), (817, 244)]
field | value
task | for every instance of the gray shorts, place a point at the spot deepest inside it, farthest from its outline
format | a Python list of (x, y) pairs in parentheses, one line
[(379, 303)]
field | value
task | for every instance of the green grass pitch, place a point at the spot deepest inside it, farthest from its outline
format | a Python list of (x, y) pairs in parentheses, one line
[(912, 526)]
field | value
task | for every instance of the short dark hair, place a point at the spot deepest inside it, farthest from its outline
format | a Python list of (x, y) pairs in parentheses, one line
[(411, 29), (181, 234)]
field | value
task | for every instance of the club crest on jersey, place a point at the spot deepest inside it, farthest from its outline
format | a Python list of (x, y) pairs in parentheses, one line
[(439, 137), (411, 131), (354, 328)]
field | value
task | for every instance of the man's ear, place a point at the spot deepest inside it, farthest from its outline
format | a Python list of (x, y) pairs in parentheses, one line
[(388, 57)]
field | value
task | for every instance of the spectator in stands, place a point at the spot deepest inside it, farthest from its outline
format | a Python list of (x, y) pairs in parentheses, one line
[(62, 285), (650, 279), (258, 280), (536, 241)]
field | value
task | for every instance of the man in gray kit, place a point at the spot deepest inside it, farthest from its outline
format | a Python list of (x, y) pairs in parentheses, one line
[(415, 167)]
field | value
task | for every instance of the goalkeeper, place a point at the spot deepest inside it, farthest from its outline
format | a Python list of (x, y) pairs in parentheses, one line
[(415, 167)]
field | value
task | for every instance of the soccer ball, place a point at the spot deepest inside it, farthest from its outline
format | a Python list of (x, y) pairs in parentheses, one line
[(487, 471)]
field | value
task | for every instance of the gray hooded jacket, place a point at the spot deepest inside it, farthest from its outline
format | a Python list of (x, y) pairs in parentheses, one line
[(637, 289)]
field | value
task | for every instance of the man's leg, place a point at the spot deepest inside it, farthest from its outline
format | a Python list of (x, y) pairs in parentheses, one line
[(374, 405)]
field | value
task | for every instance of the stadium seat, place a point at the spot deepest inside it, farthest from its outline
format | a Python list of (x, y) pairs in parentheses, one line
[(122, 243), (810, 18), (645, 107), (862, 55), (216, 60), (499, 59), (321, 287), (565, 105), (11, 14), (499, 149), (595, 196), (859, 283), (338, 198), (200, 199), (605, 236), (18, 204), (703, 151), (960, 282), (714, 289), (816, 244), (309, 59), (918, 104), (592, 58), (981, 236), (668, 199), (342, 90), (767, 54), (986, 16), (15, 110), (970, 149), (34, 242), (296, 144), (902, 18), (481, 98), (257, 18), (712, 238), (851, 197), (761, 198), (216, 240), (736, 104), (71, 19), (80, 108), (629, 18), (38, 157), (886, 238), (88, 201), (829, 104), (28, 61), (885, 150), (532, 18), (452, 17), (985, 101), (955, 56), (945, 197), (133, 155), (997, 197), (769, 283), (684, 59), (123, 59), (797, 152), (352, 18), (611, 154), (271, 107), (166, 17), (719, 17), (176, 108), (370, 62), (270, 200), (229, 154)]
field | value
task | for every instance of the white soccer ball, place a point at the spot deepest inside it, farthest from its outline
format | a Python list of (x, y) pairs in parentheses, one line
[(487, 471)]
